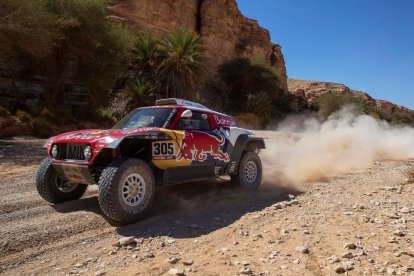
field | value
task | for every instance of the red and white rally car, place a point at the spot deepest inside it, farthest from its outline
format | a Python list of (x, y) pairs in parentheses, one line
[(173, 142)]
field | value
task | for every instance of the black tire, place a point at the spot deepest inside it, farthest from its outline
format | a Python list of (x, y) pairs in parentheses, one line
[(47, 185), (114, 195), (245, 176)]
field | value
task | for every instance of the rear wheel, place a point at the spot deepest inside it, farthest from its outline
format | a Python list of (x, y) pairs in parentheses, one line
[(249, 175), (126, 190), (55, 189)]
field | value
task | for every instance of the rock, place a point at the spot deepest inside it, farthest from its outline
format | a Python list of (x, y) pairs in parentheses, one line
[(188, 262), (100, 273), (296, 261), (405, 210), (278, 205), (225, 30), (172, 260), (348, 266), (391, 271), (126, 240), (350, 246), (304, 249), (246, 270), (139, 241), (170, 241), (412, 273), (131, 246), (176, 271), (149, 255), (347, 255), (399, 233), (284, 232), (339, 269), (333, 259), (78, 265), (292, 202), (392, 215)]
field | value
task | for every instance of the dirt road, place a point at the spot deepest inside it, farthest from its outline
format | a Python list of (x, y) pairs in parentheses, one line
[(358, 223)]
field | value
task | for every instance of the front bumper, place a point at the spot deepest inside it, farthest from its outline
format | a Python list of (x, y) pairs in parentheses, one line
[(74, 173)]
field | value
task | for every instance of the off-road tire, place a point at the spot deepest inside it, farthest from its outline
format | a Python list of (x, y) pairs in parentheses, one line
[(241, 179), (47, 188), (110, 193)]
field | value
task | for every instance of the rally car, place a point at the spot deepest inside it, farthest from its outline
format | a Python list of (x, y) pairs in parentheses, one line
[(173, 142)]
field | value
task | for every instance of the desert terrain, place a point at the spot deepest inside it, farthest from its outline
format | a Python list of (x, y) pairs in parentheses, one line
[(357, 223)]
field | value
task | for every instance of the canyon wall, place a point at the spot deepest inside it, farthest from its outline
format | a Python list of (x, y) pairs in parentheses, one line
[(226, 33), (313, 90)]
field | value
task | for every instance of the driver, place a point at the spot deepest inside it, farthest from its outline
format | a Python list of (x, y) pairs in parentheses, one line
[(186, 123)]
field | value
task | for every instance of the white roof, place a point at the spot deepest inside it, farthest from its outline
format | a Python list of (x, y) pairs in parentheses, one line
[(174, 101)]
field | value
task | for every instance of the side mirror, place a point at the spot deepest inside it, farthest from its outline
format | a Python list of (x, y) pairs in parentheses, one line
[(187, 114)]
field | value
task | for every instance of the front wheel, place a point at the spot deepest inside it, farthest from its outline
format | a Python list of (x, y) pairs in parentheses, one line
[(126, 190), (249, 175), (55, 189)]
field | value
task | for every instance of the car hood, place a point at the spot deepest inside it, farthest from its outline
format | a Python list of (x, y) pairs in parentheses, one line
[(97, 138)]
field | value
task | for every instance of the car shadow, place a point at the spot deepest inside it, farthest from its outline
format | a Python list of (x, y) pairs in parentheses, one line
[(198, 208), (190, 209)]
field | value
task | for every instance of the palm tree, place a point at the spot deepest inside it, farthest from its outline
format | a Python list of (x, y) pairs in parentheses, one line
[(146, 53), (181, 63)]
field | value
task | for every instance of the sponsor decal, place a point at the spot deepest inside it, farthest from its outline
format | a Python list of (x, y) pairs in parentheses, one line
[(220, 120), (163, 150), (86, 135), (138, 130), (196, 146), (167, 122)]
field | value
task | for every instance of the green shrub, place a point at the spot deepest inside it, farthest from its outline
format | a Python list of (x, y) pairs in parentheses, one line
[(23, 116), (249, 86), (4, 112), (106, 117), (46, 114), (42, 127), (330, 103), (250, 121)]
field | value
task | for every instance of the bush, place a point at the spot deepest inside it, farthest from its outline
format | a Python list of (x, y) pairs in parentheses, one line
[(250, 87), (330, 103), (106, 117), (42, 128), (23, 116), (250, 121), (46, 114), (4, 112)]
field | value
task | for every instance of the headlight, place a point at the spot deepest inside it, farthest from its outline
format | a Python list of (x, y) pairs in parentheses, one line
[(88, 153), (54, 151)]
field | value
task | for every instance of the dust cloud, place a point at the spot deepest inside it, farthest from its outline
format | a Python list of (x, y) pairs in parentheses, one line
[(343, 143)]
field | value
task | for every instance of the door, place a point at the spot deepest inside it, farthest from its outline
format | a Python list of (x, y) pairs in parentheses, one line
[(197, 144)]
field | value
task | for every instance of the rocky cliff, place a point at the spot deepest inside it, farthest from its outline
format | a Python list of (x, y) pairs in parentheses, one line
[(225, 31), (313, 90)]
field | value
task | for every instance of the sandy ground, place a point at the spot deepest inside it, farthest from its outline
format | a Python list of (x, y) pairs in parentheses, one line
[(361, 223)]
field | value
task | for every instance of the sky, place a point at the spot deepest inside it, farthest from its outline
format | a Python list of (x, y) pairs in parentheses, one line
[(368, 45)]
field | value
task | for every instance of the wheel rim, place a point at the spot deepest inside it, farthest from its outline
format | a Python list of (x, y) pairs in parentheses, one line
[(250, 171), (65, 186), (133, 190)]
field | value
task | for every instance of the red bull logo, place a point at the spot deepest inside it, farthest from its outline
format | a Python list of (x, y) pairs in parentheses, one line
[(196, 146)]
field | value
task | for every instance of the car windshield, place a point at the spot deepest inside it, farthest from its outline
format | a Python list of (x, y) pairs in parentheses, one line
[(144, 117)]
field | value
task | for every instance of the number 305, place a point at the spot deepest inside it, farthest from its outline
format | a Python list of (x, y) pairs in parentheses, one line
[(163, 148)]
